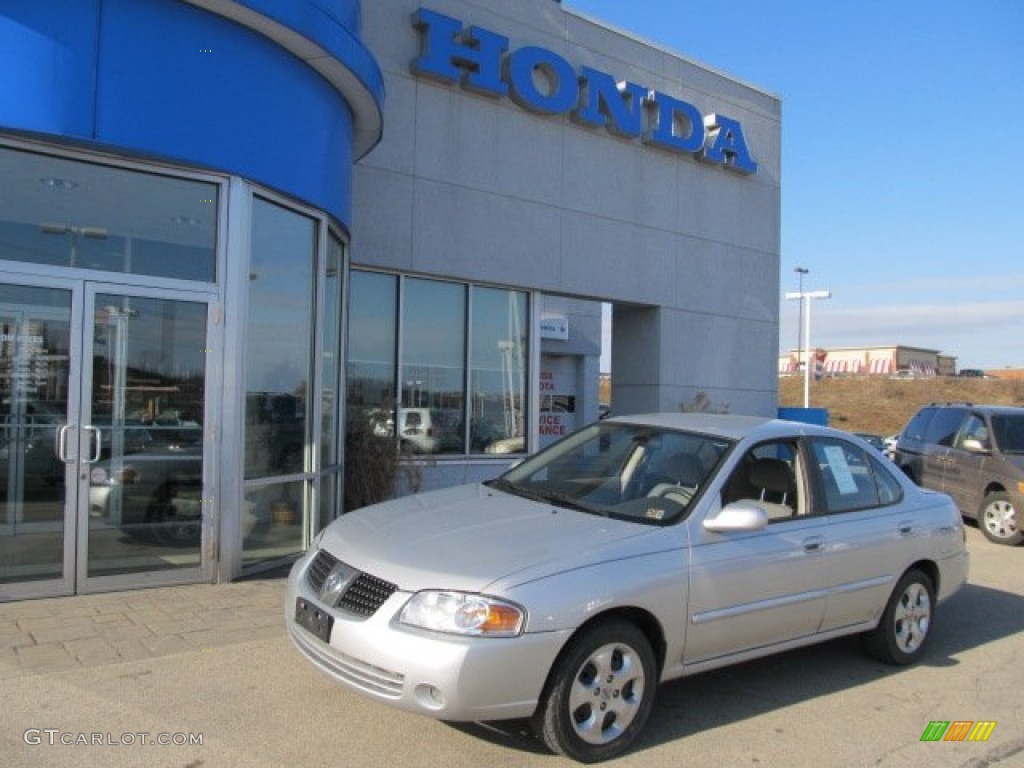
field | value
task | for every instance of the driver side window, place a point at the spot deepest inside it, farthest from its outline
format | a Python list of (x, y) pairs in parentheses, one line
[(768, 475), (973, 429)]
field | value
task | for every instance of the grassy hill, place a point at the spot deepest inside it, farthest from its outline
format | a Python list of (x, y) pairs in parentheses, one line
[(883, 406)]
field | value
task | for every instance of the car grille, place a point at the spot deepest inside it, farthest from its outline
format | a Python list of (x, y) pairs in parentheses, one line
[(364, 595)]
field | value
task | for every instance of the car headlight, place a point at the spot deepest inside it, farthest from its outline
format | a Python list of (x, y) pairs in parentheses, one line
[(463, 613)]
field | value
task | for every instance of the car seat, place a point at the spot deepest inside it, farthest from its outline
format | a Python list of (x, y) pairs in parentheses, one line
[(776, 488)]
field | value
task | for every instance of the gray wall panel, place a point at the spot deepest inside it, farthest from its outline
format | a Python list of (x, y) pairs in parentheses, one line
[(474, 187)]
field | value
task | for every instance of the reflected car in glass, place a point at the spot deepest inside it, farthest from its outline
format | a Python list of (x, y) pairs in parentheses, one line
[(635, 551), (148, 482), (875, 441)]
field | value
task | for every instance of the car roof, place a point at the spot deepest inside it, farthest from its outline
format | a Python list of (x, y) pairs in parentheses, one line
[(1010, 409), (731, 426)]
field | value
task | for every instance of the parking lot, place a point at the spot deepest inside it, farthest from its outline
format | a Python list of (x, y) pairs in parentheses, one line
[(232, 681)]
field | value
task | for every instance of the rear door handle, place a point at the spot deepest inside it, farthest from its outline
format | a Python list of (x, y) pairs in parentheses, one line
[(906, 527), (814, 543)]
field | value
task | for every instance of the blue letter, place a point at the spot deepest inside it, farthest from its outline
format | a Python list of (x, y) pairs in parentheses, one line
[(563, 90), (603, 99), (448, 53), (727, 144), (680, 125)]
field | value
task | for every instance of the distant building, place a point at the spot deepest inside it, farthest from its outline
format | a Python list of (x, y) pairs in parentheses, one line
[(889, 360)]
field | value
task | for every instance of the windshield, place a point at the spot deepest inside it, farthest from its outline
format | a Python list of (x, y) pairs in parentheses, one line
[(1009, 432), (620, 470)]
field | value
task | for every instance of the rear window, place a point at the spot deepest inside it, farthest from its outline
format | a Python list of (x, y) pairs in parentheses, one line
[(1009, 432), (852, 478)]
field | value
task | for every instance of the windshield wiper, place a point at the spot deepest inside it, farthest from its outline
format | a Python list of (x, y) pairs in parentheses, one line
[(573, 503), (550, 497), (515, 490)]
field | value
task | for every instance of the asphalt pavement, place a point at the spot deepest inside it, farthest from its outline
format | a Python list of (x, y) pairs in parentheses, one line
[(204, 675)]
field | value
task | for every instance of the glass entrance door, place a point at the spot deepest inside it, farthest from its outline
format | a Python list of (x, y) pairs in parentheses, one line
[(142, 504), (103, 450)]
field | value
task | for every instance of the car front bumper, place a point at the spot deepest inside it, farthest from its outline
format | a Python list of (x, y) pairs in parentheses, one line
[(447, 677)]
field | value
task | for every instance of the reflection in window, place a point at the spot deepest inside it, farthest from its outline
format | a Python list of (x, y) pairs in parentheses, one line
[(371, 365), (272, 522), (432, 373), (330, 323), (76, 214), (498, 371), (148, 402), (279, 340), (421, 399), (35, 346)]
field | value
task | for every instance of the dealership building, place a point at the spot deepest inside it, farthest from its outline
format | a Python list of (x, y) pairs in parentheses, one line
[(240, 238)]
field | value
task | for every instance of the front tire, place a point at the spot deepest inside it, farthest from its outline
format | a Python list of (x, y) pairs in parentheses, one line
[(599, 694), (906, 623), (999, 520)]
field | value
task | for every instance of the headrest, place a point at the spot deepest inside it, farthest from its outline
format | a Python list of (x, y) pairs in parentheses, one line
[(771, 475), (684, 468)]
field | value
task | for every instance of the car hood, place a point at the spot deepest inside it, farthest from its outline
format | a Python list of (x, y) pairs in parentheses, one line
[(468, 537)]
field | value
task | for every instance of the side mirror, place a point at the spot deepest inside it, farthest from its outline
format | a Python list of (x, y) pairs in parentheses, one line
[(974, 445), (743, 515)]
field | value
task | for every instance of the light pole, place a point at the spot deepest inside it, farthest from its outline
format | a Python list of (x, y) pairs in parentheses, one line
[(805, 298), (801, 271)]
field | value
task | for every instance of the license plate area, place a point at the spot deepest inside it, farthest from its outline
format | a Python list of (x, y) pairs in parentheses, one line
[(313, 619)]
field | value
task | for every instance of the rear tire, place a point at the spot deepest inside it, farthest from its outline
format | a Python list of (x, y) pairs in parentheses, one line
[(906, 622), (599, 694), (999, 520)]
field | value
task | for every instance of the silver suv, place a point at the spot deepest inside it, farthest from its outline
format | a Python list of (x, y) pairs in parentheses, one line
[(975, 453)]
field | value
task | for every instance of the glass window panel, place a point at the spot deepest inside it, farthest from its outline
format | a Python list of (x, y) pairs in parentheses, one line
[(432, 378), (279, 340), (61, 212), (330, 322), (272, 517), (35, 344), (370, 453), (329, 506), (372, 339), (498, 371), (148, 400), (847, 475)]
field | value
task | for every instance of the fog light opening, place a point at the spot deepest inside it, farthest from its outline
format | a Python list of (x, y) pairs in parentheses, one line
[(430, 696)]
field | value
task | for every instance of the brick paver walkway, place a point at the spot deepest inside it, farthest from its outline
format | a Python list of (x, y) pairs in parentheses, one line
[(39, 636)]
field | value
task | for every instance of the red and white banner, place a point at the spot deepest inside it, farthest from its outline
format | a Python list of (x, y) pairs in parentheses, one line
[(881, 365)]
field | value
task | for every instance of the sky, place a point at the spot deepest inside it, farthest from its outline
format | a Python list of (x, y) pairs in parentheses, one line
[(902, 158)]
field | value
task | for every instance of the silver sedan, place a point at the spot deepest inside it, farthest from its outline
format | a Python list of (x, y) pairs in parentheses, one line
[(637, 550)]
